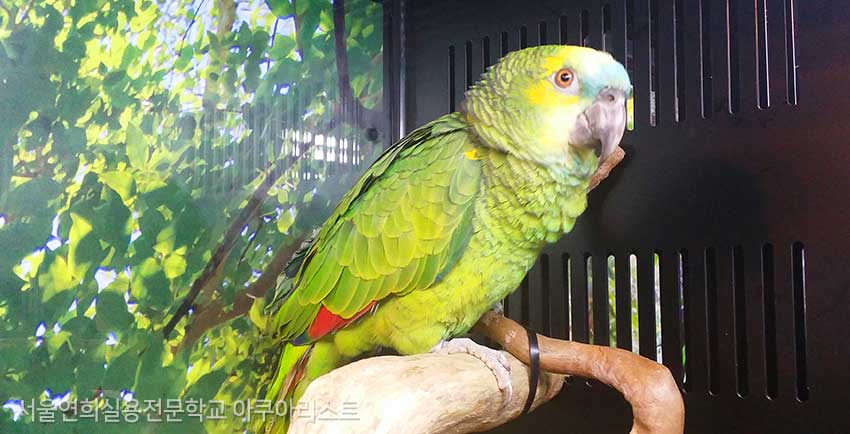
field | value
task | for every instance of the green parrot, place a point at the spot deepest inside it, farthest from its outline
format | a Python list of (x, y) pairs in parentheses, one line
[(448, 221)]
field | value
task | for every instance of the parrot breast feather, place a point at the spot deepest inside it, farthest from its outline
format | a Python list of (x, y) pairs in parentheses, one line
[(400, 228)]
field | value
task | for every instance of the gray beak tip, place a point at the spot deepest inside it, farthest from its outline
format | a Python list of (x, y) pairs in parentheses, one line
[(603, 124)]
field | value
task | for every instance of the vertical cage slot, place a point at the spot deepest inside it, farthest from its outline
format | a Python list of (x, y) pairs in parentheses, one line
[(545, 295), (712, 328), (562, 29), (656, 294), (684, 293), (679, 52), (646, 306), (537, 294), (740, 296), (503, 44), (588, 272), (630, 37), (584, 28), (556, 278), (791, 67), (541, 33), (624, 303), (665, 55), (633, 299), (451, 81), (768, 276), (516, 304), (567, 276), (762, 57), (467, 48), (671, 314), (485, 53), (641, 64), (523, 37), (653, 62), (705, 57), (607, 26), (524, 305), (578, 299), (733, 56), (611, 271), (601, 315), (799, 277)]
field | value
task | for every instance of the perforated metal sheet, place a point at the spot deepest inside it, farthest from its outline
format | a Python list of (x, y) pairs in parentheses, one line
[(737, 176)]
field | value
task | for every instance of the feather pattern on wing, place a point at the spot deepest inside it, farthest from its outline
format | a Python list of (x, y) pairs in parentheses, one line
[(402, 226)]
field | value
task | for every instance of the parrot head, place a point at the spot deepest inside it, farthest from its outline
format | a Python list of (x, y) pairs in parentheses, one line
[(560, 106)]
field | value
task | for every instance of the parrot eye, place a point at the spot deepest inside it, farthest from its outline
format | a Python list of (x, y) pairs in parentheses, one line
[(564, 78)]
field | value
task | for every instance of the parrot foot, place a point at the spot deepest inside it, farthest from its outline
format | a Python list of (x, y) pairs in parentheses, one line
[(493, 359)]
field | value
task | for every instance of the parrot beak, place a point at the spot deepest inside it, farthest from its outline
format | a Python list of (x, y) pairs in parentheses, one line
[(601, 126)]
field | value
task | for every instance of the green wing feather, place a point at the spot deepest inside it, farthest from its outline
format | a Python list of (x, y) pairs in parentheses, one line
[(403, 224)]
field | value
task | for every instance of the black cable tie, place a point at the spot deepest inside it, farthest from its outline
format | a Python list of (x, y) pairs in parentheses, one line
[(534, 358)]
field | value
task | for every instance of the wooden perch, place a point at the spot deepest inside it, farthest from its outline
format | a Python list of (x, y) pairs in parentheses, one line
[(422, 394), (657, 405), (435, 393)]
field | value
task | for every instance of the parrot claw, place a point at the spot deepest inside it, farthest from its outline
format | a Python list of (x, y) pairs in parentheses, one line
[(493, 359)]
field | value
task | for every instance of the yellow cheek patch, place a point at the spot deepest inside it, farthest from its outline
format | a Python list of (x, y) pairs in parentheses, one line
[(543, 94), (557, 126), (471, 154)]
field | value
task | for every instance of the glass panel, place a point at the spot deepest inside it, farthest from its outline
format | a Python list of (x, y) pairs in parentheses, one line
[(152, 151)]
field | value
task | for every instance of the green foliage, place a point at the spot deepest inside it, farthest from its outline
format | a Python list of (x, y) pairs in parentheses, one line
[(131, 136)]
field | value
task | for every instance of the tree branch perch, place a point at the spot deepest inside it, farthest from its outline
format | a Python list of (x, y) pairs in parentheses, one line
[(648, 386), (442, 394), (422, 394)]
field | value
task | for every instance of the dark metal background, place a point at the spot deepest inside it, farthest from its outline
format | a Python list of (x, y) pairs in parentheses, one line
[(721, 197)]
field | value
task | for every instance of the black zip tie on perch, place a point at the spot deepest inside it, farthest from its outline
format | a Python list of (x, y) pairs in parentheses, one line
[(534, 358)]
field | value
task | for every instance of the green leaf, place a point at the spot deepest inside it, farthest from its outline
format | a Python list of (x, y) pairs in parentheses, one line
[(137, 149), (58, 278), (281, 8), (252, 76), (112, 314), (282, 47), (84, 249), (121, 371), (207, 386), (150, 286), (174, 266), (121, 181), (285, 221), (256, 314), (310, 15)]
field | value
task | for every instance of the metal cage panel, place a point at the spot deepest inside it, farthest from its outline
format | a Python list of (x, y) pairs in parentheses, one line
[(733, 200)]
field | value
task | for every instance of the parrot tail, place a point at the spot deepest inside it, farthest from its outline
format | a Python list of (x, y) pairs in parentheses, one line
[(298, 366), (290, 371)]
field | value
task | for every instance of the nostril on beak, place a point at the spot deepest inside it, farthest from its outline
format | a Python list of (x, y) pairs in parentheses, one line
[(611, 95)]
